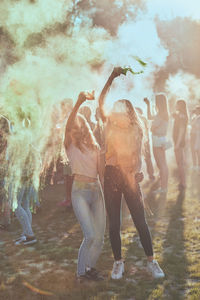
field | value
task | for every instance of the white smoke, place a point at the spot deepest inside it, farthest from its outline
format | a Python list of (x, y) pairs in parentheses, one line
[(136, 39), (184, 86), (62, 65), (22, 18)]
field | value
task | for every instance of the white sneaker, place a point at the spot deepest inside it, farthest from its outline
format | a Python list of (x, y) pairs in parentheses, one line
[(22, 238), (154, 268), (26, 240), (118, 269)]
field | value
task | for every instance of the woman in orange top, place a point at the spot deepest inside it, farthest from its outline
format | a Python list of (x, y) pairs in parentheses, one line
[(123, 142)]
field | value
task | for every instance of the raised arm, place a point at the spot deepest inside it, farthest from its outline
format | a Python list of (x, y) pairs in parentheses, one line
[(70, 122), (149, 115), (115, 73)]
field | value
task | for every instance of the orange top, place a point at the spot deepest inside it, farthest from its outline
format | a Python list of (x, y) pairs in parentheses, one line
[(123, 143)]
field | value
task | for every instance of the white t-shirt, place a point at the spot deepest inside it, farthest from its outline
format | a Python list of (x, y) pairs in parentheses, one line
[(83, 163)]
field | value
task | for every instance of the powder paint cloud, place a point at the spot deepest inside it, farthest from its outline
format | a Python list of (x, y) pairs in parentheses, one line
[(134, 39), (184, 86), (22, 18), (62, 64), (35, 85)]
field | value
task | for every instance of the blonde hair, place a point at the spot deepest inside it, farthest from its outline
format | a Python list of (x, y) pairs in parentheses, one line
[(132, 114), (83, 135)]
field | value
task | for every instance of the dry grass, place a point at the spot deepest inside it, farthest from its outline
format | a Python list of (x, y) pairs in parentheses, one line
[(50, 265)]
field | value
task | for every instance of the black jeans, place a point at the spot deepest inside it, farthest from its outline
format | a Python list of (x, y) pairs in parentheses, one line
[(115, 184)]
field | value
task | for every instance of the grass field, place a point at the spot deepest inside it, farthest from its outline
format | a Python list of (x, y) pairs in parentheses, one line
[(47, 269)]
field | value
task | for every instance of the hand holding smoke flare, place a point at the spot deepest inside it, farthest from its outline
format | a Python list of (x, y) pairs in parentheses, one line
[(129, 69), (119, 70)]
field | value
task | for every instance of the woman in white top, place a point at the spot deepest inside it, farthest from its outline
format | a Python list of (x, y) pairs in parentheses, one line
[(87, 199), (159, 138)]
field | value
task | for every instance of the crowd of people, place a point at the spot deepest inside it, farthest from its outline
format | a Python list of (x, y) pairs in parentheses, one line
[(102, 163)]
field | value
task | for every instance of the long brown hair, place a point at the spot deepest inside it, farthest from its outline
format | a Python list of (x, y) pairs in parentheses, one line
[(182, 108), (161, 105), (83, 135)]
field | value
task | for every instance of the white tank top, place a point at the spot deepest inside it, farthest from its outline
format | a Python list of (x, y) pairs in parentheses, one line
[(83, 163)]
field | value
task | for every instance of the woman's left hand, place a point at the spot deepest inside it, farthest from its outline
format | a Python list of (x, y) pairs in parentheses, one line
[(139, 176), (90, 96), (83, 96)]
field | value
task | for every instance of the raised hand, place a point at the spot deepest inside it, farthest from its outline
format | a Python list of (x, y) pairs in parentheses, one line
[(146, 100), (139, 177), (83, 96), (90, 96), (117, 71)]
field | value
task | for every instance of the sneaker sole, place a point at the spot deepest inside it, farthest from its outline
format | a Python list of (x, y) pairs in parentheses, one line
[(19, 238), (29, 242), (118, 278), (159, 277)]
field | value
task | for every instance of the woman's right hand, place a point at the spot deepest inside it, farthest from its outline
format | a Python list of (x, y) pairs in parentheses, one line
[(146, 100), (117, 71)]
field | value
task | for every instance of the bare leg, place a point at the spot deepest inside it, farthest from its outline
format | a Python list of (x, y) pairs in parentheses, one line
[(193, 152), (198, 158), (179, 154), (148, 161), (160, 158)]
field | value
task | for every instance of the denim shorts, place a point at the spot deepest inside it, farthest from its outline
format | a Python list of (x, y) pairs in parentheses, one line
[(161, 141)]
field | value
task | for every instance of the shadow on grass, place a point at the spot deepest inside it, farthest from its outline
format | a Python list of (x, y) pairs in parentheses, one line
[(175, 261), (167, 225), (155, 206), (195, 186)]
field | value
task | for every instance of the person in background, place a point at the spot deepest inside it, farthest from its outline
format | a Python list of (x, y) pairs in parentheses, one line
[(5, 211), (179, 134), (195, 139), (123, 141), (66, 108), (25, 195), (147, 149), (192, 139), (83, 153), (159, 138)]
